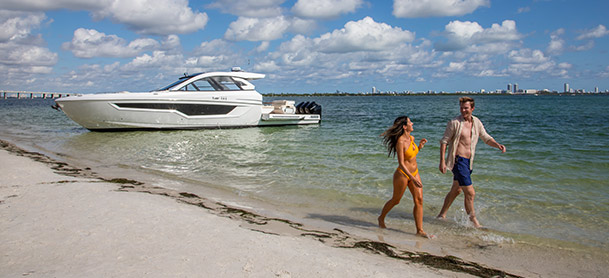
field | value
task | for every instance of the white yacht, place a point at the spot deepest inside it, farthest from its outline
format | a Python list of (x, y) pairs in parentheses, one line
[(203, 100)]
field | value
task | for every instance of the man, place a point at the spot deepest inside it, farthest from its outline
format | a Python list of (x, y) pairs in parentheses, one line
[(461, 136)]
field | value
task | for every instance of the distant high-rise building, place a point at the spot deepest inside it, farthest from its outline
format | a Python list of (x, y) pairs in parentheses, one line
[(515, 87), (509, 89), (374, 90), (566, 87), (596, 90)]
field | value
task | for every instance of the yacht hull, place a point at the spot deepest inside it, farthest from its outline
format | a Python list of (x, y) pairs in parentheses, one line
[(205, 100), (99, 114)]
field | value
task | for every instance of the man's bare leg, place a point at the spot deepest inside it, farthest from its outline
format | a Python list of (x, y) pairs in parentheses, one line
[(470, 194), (448, 200)]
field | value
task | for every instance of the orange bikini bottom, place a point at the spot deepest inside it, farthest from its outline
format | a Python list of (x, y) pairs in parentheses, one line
[(413, 174)]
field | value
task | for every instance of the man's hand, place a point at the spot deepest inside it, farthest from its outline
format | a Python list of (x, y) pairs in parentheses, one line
[(442, 167), (502, 148)]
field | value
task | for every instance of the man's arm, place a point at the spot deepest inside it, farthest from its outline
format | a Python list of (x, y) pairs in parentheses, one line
[(494, 144), (442, 166), (488, 139)]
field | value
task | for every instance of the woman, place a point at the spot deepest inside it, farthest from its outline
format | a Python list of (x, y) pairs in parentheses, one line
[(398, 141)]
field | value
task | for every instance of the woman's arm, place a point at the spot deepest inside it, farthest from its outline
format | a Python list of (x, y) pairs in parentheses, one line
[(422, 143)]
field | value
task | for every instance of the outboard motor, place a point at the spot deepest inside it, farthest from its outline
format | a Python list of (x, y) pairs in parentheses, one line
[(300, 108), (315, 108), (297, 106), (307, 107)]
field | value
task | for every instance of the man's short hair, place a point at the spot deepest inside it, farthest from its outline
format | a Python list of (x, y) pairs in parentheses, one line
[(467, 99)]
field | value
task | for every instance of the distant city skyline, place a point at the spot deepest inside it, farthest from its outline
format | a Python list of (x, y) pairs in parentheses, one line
[(304, 46)]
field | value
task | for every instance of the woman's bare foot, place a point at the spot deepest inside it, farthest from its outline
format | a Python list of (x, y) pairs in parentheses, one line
[(382, 223)]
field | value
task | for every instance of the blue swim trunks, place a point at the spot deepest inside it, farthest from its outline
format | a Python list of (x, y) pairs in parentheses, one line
[(461, 171)]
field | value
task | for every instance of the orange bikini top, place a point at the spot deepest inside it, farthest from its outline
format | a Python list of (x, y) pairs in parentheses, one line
[(412, 150)]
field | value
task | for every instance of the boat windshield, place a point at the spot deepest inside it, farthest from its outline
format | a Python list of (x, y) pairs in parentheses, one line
[(214, 83), (171, 85)]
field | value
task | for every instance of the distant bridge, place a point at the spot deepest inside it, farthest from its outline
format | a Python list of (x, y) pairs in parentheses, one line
[(25, 94)]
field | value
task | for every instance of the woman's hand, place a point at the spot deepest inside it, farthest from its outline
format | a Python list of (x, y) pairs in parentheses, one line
[(417, 182), (422, 143)]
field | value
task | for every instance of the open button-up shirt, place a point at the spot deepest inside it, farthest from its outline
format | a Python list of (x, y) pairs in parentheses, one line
[(451, 138)]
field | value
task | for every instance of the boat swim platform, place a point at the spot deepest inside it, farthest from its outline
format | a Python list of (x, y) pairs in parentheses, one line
[(25, 94)]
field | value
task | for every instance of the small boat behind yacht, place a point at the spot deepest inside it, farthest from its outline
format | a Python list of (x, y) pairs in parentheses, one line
[(198, 101)]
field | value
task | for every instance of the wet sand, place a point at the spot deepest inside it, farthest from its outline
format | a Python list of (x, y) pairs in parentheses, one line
[(59, 220)]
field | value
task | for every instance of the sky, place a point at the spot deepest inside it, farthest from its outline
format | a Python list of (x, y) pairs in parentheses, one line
[(305, 46)]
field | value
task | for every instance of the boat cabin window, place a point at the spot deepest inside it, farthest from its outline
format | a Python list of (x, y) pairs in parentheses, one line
[(227, 83), (200, 85), (214, 83)]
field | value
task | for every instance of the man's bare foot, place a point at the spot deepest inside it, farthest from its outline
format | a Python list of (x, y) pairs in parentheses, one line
[(425, 235), (382, 223), (475, 222), (441, 217)]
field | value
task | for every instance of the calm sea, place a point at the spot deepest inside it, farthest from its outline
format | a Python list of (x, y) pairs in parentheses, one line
[(551, 185)]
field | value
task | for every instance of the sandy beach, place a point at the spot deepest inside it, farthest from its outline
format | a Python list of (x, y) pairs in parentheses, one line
[(57, 220)]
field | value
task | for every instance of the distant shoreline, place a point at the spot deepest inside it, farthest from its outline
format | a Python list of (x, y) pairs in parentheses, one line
[(426, 94)]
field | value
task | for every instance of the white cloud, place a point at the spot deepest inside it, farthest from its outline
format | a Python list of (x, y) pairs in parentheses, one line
[(431, 8), (214, 55), (361, 48), (584, 47), (158, 60), (325, 9), (159, 17), (156, 17), (257, 29), (557, 44), (363, 35), (528, 56), (470, 36), (17, 25), (598, 32), (27, 55), (171, 43), (46, 5), (89, 43), (302, 26), (249, 8), (263, 46), (526, 62), (455, 66), (217, 46), (21, 53)]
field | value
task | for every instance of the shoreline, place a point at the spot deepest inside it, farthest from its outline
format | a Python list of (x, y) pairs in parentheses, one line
[(66, 178), (394, 248)]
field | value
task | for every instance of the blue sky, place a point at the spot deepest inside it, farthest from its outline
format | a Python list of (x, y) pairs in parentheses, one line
[(305, 46)]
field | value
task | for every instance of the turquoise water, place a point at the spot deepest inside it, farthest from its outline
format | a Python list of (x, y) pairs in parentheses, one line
[(552, 183)]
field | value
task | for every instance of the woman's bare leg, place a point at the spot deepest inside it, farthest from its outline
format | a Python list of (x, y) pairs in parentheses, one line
[(399, 186), (417, 211)]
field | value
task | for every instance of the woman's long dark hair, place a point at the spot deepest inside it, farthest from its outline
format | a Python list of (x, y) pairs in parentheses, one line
[(391, 135)]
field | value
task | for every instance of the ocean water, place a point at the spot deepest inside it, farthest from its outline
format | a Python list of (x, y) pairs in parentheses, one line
[(551, 186)]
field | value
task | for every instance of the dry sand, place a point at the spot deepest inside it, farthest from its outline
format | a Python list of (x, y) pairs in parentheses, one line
[(58, 221)]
